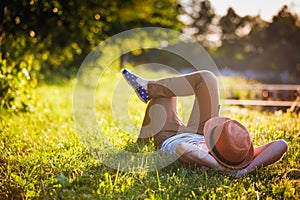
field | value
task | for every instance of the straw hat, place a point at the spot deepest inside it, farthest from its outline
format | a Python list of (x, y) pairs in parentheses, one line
[(229, 142)]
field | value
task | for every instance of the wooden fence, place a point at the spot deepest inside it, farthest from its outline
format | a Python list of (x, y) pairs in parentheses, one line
[(265, 95)]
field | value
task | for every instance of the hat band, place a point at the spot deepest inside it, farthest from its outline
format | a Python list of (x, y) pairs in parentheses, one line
[(217, 153)]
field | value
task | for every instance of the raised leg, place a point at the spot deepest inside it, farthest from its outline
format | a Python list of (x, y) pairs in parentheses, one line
[(202, 84), (163, 108), (161, 120), (206, 104)]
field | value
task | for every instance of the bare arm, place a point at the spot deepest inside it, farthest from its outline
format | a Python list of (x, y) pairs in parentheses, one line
[(265, 155)]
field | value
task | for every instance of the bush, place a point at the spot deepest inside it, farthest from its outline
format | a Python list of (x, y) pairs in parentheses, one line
[(16, 82)]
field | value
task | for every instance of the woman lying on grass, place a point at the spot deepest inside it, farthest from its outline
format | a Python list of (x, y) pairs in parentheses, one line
[(207, 140)]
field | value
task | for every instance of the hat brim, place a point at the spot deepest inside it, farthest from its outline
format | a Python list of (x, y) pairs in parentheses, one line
[(243, 164), (217, 121)]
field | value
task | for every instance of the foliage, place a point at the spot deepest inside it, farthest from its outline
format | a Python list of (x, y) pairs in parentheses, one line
[(41, 155), (230, 25), (201, 15), (16, 82), (54, 37), (61, 33), (249, 43)]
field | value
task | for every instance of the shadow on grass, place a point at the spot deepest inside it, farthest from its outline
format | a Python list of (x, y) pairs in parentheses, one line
[(98, 181)]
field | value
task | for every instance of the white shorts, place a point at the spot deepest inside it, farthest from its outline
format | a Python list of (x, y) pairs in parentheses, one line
[(194, 140)]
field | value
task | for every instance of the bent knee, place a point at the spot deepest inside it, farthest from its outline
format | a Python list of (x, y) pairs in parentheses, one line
[(208, 75)]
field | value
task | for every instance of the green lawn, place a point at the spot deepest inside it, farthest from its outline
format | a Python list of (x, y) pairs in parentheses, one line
[(42, 156)]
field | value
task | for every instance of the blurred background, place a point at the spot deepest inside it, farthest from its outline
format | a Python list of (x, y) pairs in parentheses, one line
[(41, 40)]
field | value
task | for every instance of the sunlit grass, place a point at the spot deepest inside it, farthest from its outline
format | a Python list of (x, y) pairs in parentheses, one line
[(41, 154)]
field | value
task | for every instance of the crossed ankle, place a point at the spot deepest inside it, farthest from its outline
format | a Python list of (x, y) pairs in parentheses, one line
[(138, 84)]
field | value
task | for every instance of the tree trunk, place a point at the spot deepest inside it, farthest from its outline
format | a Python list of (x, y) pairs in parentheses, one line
[(2, 14)]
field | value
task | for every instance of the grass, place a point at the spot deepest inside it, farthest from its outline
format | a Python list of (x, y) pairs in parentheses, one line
[(42, 156)]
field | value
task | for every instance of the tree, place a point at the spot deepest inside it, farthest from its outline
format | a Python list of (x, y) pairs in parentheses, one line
[(233, 31), (282, 38), (232, 25), (41, 37), (263, 46), (2, 14), (61, 33), (201, 16)]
